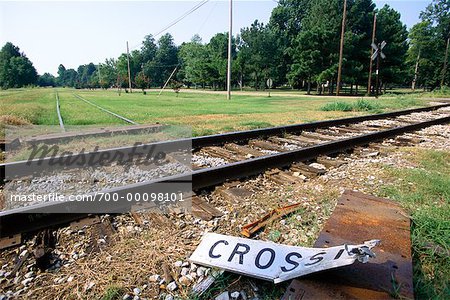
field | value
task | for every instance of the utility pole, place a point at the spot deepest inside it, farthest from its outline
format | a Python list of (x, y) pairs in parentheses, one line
[(230, 35), (129, 73), (369, 84), (416, 72), (341, 49), (99, 77), (444, 69)]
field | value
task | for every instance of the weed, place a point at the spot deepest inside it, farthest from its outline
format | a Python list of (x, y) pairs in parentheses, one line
[(112, 293), (365, 105), (274, 235), (425, 193), (337, 106), (13, 120), (360, 105)]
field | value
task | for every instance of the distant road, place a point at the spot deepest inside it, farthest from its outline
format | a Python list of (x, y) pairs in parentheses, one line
[(266, 93)]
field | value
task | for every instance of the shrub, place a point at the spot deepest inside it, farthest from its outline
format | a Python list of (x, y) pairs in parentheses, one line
[(360, 105), (337, 106), (365, 105)]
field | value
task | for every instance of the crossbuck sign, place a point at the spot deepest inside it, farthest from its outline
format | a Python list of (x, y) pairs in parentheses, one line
[(378, 50), (274, 262)]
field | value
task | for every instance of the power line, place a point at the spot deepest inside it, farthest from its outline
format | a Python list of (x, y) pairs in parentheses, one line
[(182, 17), (207, 18), (174, 22)]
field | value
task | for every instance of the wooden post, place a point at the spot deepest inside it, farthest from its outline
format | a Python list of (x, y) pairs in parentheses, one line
[(369, 83), (230, 35), (341, 49), (416, 70), (129, 73), (378, 72)]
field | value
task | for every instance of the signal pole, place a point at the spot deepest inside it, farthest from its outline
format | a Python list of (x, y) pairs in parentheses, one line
[(371, 53), (378, 73), (341, 49), (129, 73), (230, 35)]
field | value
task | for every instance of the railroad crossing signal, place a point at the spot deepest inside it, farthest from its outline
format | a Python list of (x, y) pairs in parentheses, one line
[(378, 50)]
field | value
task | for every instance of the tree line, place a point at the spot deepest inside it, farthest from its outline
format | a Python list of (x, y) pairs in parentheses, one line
[(298, 48)]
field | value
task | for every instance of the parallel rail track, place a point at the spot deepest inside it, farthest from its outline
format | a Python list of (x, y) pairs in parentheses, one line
[(25, 168), (30, 219), (58, 111)]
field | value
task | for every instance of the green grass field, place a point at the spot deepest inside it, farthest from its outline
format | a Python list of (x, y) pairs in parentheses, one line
[(206, 112), (425, 193)]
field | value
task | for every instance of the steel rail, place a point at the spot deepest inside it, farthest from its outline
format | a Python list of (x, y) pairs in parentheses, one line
[(50, 164), (30, 218), (107, 111), (58, 110)]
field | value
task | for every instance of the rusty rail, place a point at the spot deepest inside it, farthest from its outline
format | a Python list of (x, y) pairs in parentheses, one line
[(31, 218)]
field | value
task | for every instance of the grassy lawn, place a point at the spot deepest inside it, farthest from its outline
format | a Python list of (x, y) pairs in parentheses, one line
[(425, 193), (37, 106), (206, 112)]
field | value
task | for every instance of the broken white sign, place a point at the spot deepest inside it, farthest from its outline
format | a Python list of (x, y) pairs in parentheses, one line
[(275, 262)]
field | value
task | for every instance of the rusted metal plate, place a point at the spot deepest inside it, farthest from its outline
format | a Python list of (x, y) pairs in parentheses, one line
[(312, 290), (356, 218)]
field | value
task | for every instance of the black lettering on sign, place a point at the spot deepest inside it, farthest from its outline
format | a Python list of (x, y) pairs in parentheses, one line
[(338, 255), (214, 246), (317, 258), (292, 262), (240, 253), (258, 257)]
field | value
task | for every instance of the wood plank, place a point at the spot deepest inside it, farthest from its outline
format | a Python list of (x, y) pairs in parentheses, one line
[(265, 145), (243, 150)]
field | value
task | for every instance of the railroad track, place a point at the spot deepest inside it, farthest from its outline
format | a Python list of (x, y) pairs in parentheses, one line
[(58, 111), (106, 111), (224, 157)]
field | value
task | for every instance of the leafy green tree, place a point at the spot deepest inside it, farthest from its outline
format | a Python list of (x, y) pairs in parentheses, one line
[(391, 30), (107, 74), (315, 50), (258, 49), (438, 14), (84, 75), (194, 58), (149, 48), (165, 61), (142, 81), (66, 77), (286, 23), (217, 52), (424, 65), (358, 37), (46, 79), (16, 70)]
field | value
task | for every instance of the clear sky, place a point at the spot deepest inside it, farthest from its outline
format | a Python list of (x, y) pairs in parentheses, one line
[(79, 32)]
